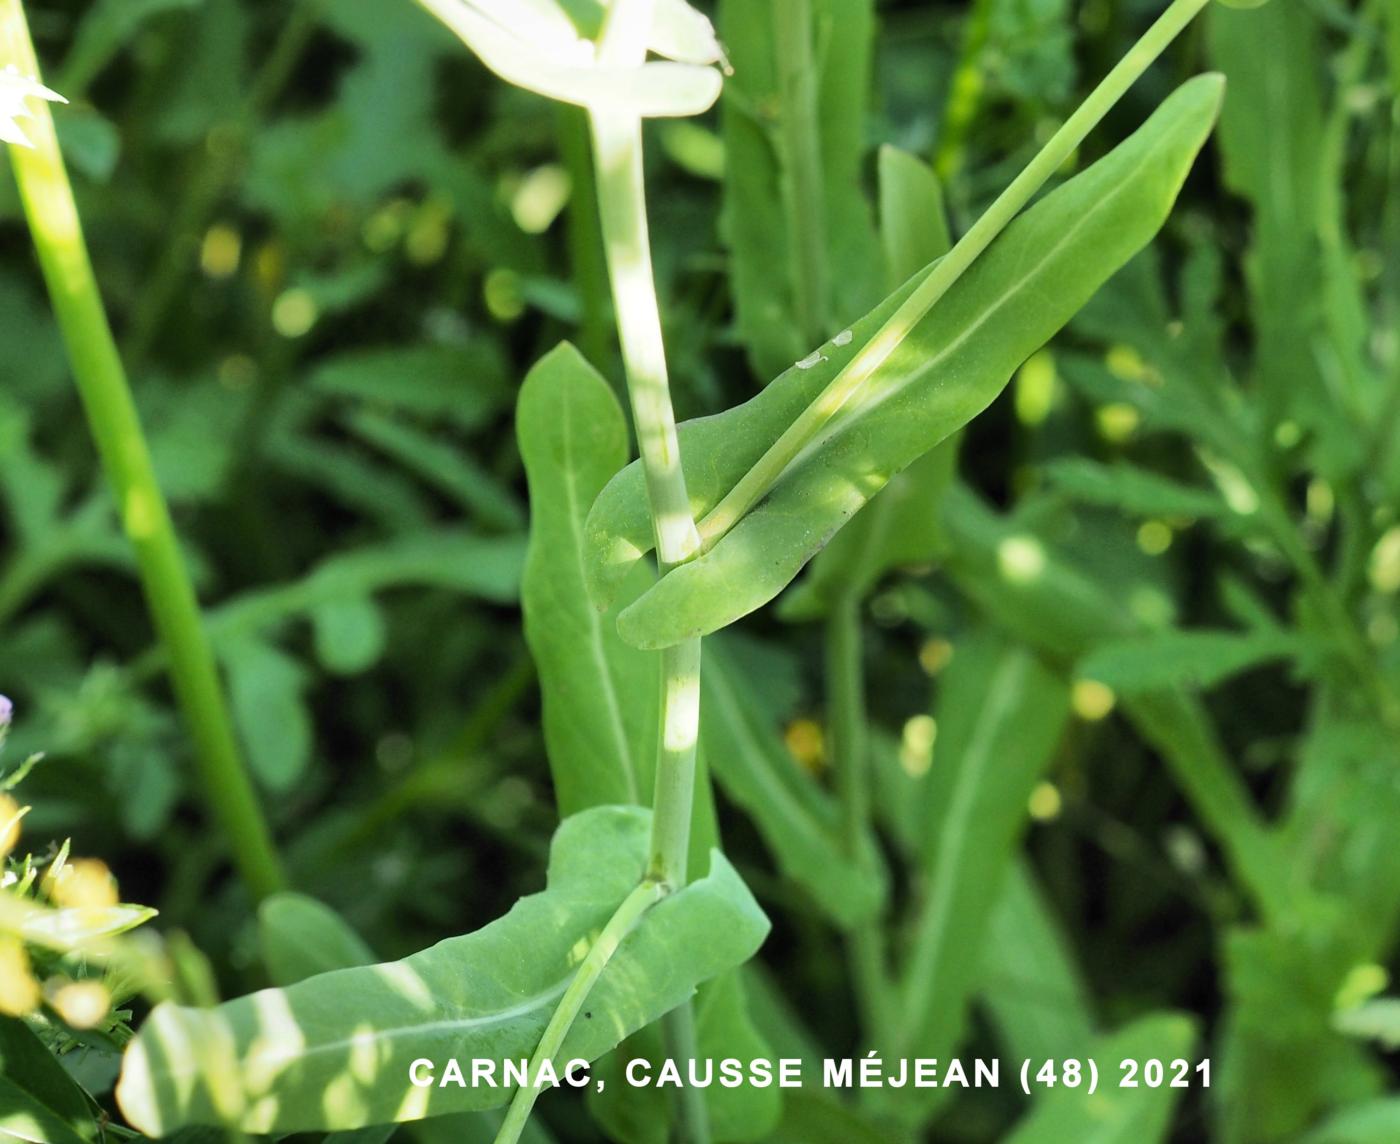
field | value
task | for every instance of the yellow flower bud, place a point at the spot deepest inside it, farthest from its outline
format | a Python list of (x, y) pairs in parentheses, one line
[(10, 814), (82, 1004), (84, 884), (19, 991)]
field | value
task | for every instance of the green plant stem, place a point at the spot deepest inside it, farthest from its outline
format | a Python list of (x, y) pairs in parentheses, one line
[(225, 148), (799, 144), (1062, 145), (111, 413), (617, 151), (617, 146), (622, 923), (845, 687), (618, 174)]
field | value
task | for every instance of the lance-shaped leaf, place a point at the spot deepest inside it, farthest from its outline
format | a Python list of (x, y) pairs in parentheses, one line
[(943, 372), (534, 46), (1033, 988), (600, 696), (39, 1101), (795, 218), (799, 820), (301, 937), (302, 1059), (901, 526), (1001, 713), (1029, 589)]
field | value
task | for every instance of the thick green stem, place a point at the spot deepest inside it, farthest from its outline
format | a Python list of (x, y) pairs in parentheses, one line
[(111, 413), (674, 795), (617, 142), (617, 150), (845, 688), (799, 144), (759, 479), (622, 923), (617, 146)]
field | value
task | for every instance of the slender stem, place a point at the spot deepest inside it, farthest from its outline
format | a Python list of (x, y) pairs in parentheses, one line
[(617, 149), (617, 144), (759, 479), (845, 686), (112, 417), (799, 144), (674, 794), (622, 923), (692, 1114)]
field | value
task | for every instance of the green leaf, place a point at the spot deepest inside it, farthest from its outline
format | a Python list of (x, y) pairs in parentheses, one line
[(1271, 58), (452, 383), (635, 1115), (799, 821), (600, 696), (1139, 492), (815, 1117), (945, 370), (303, 1059), (488, 568), (1113, 1114), (901, 526), (106, 28), (1371, 1122), (899, 529), (266, 692), (1000, 715), (1029, 589), (39, 1101), (913, 218), (795, 219), (443, 465), (300, 937), (1377, 1021), (1031, 984), (1193, 659), (349, 633), (1280, 1062)]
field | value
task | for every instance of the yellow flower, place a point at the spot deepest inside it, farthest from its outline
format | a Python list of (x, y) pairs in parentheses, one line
[(84, 884), (82, 1004), (19, 991), (10, 814)]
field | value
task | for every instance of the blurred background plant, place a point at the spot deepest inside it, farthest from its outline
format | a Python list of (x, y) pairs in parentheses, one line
[(331, 245)]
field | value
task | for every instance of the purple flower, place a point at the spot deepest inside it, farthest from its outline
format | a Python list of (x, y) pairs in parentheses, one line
[(7, 710)]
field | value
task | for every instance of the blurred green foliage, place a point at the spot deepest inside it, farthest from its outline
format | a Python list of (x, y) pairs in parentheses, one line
[(332, 245)]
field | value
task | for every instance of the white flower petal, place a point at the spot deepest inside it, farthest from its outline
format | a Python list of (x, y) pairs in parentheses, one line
[(14, 90), (560, 71)]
